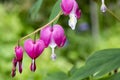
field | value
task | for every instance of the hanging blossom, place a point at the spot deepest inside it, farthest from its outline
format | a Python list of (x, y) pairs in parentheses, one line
[(70, 7), (33, 50), (103, 6), (53, 36), (17, 60)]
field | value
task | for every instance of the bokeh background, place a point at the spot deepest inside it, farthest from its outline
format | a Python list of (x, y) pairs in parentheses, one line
[(94, 31)]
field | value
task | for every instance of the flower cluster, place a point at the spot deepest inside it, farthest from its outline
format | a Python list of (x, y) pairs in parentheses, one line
[(17, 60), (50, 36)]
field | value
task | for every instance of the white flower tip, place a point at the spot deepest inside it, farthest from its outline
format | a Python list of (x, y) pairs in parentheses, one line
[(53, 57), (72, 21), (52, 43), (103, 8)]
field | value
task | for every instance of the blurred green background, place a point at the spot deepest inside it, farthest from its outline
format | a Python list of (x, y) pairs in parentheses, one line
[(94, 31)]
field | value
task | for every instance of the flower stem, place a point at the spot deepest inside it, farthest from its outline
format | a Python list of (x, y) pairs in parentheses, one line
[(59, 14), (113, 14), (35, 37)]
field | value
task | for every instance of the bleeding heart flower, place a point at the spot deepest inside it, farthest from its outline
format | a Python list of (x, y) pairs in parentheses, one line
[(17, 60), (53, 36), (103, 6), (33, 50), (19, 57), (70, 7)]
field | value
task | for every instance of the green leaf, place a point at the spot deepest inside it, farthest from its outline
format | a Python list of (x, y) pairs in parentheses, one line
[(56, 76), (56, 9), (98, 64), (71, 72), (35, 9), (113, 77)]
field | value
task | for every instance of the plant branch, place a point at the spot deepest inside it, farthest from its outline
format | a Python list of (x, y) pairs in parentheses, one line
[(113, 14), (59, 14)]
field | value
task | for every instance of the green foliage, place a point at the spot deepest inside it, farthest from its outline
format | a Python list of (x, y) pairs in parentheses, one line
[(113, 77), (98, 64), (56, 76), (10, 26), (35, 9), (56, 9)]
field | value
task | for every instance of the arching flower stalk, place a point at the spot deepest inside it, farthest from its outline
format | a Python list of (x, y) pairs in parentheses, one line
[(70, 7), (32, 48), (53, 36)]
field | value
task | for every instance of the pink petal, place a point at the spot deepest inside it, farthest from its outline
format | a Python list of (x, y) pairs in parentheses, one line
[(38, 48), (14, 62), (78, 13), (45, 35), (20, 66), (13, 73), (28, 46), (34, 49), (63, 41), (19, 53), (76, 10), (58, 34), (67, 6)]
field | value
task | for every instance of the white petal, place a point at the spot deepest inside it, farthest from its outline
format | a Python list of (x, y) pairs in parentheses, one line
[(72, 21), (53, 45), (103, 8), (103, 1), (33, 61), (53, 57)]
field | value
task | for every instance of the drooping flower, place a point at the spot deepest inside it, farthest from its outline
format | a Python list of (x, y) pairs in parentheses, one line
[(103, 7), (19, 56), (33, 50), (17, 60), (53, 36), (70, 7)]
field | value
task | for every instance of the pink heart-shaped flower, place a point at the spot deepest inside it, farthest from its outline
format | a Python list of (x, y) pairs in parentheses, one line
[(34, 49)]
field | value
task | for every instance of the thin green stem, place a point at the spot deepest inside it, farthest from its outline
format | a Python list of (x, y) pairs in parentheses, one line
[(59, 14), (109, 11), (35, 37), (113, 14)]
